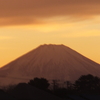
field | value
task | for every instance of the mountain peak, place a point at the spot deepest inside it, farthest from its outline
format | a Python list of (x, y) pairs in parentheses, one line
[(51, 45), (50, 61)]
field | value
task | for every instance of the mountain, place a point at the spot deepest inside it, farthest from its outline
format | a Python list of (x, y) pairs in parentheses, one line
[(51, 62)]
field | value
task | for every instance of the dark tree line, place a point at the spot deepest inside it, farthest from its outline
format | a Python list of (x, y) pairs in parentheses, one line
[(40, 83), (88, 83), (85, 84)]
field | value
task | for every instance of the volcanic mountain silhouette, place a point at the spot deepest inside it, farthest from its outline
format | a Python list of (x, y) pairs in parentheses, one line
[(51, 62)]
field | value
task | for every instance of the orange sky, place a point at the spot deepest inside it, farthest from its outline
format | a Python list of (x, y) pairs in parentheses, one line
[(26, 24)]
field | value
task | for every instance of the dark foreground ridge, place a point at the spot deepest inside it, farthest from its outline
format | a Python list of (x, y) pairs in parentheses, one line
[(87, 87)]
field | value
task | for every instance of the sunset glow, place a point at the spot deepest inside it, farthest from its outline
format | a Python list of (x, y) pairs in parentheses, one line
[(26, 24)]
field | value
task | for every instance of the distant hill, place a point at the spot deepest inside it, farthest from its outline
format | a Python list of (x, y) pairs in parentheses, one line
[(48, 61)]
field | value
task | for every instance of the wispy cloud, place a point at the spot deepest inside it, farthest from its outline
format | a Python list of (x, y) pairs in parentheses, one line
[(17, 12)]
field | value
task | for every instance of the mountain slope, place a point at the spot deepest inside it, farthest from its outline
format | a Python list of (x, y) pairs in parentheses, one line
[(51, 62)]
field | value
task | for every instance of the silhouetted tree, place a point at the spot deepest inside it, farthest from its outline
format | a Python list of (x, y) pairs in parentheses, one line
[(55, 84), (69, 85), (88, 83), (41, 83)]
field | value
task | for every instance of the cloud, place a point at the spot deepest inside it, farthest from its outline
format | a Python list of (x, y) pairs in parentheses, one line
[(20, 20), (30, 11)]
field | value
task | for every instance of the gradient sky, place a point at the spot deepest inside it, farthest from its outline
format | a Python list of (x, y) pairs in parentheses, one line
[(26, 24)]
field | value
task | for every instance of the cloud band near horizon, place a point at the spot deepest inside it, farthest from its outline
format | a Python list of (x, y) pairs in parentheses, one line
[(20, 12)]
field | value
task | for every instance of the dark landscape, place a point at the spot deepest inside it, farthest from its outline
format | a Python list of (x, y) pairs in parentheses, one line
[(51, 72), (49, 49)]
